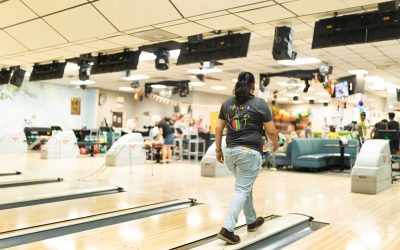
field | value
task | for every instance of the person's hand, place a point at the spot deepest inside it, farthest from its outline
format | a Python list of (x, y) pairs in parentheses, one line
[(220, 157), (275, 147)]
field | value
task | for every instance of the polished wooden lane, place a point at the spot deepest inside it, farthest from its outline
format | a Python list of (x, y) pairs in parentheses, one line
[(28, 182), (163, 231), (325, 196), (13, 173), (32, 217), (36, 192)]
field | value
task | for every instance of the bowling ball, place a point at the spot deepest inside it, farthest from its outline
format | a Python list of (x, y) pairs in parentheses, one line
[(96, 150), (82, 151), (102, 140), (103, 150)]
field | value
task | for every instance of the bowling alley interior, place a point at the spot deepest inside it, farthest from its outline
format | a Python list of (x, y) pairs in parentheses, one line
[(120, 122)]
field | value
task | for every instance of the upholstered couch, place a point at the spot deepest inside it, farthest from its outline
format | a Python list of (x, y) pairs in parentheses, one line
[(281, 159), (314, 154)]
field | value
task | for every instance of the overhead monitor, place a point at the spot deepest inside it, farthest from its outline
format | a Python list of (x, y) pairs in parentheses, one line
[(17, 77), (342, 89), (216, 48), (54, 70), (122, 61), (5, 76)]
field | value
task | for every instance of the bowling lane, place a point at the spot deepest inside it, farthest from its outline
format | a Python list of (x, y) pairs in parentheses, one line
[(65, 211), (163, 231)]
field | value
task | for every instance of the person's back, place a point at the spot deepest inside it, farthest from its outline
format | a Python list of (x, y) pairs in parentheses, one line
[(244, 116), (394, 125)]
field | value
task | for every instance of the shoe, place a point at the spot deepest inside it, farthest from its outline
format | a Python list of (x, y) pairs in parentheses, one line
[(228, 237), (255, 225)]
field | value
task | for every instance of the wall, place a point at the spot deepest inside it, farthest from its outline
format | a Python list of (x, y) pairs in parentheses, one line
[(44, 104)]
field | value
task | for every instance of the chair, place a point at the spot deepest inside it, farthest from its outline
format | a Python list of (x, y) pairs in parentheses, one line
[(194, 143), (178, 143)]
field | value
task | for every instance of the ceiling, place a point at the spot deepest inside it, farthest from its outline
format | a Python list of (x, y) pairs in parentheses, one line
[(40, 31)]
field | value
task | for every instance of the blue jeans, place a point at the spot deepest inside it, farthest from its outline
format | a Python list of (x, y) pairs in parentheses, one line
[(245, 164)]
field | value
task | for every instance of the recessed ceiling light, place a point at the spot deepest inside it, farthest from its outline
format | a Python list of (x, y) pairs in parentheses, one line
[(377, 87), (292, 94), (283, 84), (323, 93), (374, 79), (217, 87), (197, 84), (204, 71), (307, 98), (323, 101), (298, 102), (299, 61), (71, 67), (158, 86), (135, 77), (281, 99), (126, 89), (146, 56), (79, 82), (358, 72)]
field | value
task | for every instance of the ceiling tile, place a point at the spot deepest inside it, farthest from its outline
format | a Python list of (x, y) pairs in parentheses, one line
[(127, 14), (354, 3), (9, 46), (266, 14), (60, 53), (187, 29), (126, 40), (46, 7), (176, 22), (155, 35), (206, 6), (224, 22), (252, 6), (78, 49), (13, 12), (35, 34), (214, 14), (103, 45), (80, 23), (306, 7)]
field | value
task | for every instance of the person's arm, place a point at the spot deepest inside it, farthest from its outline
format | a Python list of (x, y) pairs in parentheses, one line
[(160, 132), (218, 140), (272, 134), (372, 132)]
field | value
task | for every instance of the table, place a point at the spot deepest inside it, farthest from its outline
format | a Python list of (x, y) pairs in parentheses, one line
[(342, 146)]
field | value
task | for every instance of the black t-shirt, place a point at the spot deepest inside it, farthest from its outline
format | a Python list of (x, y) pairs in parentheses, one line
[(245, 122), (166, 127), (393, 125), (380, 126)]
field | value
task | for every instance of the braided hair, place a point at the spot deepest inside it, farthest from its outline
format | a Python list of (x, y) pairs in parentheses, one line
[(244, 87)]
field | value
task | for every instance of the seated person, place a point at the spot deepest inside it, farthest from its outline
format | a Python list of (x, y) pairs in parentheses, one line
[(288, 139), (332, 133)]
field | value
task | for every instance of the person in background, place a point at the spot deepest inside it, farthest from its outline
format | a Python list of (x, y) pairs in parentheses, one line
[(200, 126), (332, 134), (244, 116), (394, 125), (288, 139), (382, 125), (362, 128), (307, 131), (132, 124), (166, 131)]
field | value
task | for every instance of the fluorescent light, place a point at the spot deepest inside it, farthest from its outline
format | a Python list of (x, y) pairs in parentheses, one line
[(158, 86), (71, 67), (217, 87), (298, 102), (323, 93), (292, 94), (79, 82), (146, 56), (283, 84), (374, 79), (204, 71), (299, 61), (308, 98), (197, 84), (358, 72), (135, 77), (126, 89), (323, 101), (281, 99), (377, 87)]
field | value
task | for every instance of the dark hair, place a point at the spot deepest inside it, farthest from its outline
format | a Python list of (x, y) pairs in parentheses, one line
[(391, 116), (244, 86)]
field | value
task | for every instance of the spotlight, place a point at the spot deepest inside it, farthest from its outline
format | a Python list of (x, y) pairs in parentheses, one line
[(83, 86), (184, 90), (321, 78), (264, 81), (307, 82), (162, 59), (135, 84), (18, 76), (325, 104), (311, 101), (295, 98), (84, 70)]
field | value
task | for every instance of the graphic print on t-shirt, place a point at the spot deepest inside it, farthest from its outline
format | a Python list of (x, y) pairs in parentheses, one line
[(239, 119)]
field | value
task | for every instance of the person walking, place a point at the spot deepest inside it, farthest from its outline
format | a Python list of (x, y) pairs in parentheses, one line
[(394, 125), (245, 116)]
